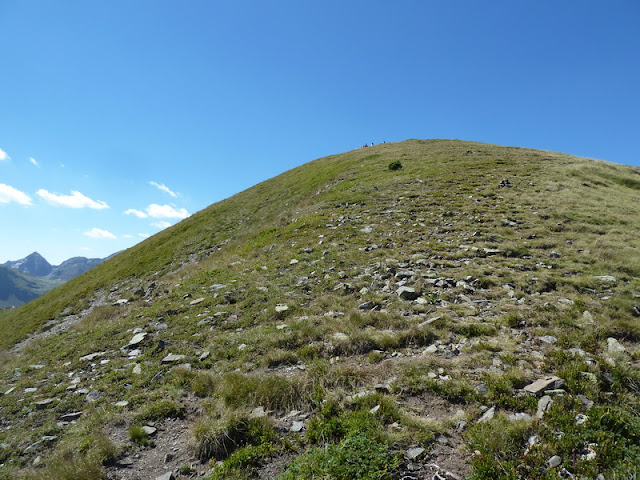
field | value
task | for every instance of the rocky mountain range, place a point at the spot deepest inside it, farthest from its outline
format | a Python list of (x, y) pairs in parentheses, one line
[(23, 280), (429, 309)]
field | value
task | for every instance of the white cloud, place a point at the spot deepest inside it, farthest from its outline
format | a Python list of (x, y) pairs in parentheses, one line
[(99, 233), (144, 235), (162, 187), (137, 213), (75, 200), (9, 194), (4, 155), (33, 161), (166, 211), (161, 225)]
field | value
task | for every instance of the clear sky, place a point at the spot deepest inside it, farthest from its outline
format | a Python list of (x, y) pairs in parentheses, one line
[(120, 117)]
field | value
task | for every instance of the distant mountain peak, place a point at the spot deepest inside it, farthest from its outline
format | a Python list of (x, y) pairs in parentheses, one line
[(33, 264)]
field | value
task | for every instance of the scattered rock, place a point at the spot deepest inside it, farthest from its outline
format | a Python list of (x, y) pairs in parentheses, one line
[(407, 293), (613, 346), (196, 301), (69, 417), (414, 453), (554, 461), (297, 426), (172, 357), (137, 338), (488, 415), (543, 405), (166, 476), (93, 396), (281, 308), (42, 404), (543, 384), (92, 356), (149, 430)]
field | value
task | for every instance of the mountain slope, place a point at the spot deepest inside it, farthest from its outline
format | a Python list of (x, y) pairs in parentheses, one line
[(17, 288), (346, 314)]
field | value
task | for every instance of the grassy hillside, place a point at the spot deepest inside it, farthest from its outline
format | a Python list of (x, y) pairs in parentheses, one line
[(349, 320)]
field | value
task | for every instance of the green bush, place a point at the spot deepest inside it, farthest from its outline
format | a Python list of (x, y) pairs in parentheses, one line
[(395, 165)]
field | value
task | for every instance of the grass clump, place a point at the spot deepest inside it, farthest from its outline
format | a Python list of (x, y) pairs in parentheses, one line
[(218, 438), (393, 166)]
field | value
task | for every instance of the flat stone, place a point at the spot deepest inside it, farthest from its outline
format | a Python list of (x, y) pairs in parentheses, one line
[(149, 430), (121, 403), (550, 339), (172, 357), (520, 416), (166, 476), (92, 356), (488, 415), (554, 461), (297, 426), (431, 349), (281, 308), (30, 390), (93, 396), (125, 462), (9, 391), (138, 338), (69, 417), (414, 453), (613, 346), (137, 369), (42, 404), (543, 405), (543, 384), (606, 278), (196, 301), (408, 293), (257, 412)]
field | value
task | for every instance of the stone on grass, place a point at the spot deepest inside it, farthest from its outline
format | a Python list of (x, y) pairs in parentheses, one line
[(543, 384), (93, 396), (408, 293), (414, 453), (297, 426), (137, 338), (149, 430), (543, 405), (42, 404), (196, 301), (613, 346), (172, 357), (488, 415), (554, 461), (281, 308)]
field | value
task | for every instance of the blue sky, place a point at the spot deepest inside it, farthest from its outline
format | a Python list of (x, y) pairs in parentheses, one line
[(119, 118)]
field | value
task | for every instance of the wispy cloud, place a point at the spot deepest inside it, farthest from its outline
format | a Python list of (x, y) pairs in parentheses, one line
[(9, 194), (4, 155), (166, 211), (144, 235), (163, 188), (161, 225), (137, 213), (99, 233), (33, 161), (75, 200)]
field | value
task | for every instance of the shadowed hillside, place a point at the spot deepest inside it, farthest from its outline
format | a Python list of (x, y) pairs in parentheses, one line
[(473, 312)]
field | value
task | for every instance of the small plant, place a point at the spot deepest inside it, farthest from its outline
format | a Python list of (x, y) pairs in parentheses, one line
[(395, 166), (138, 436)]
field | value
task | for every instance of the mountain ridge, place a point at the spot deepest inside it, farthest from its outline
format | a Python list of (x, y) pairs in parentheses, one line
[(446, 317), (34, 275)]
